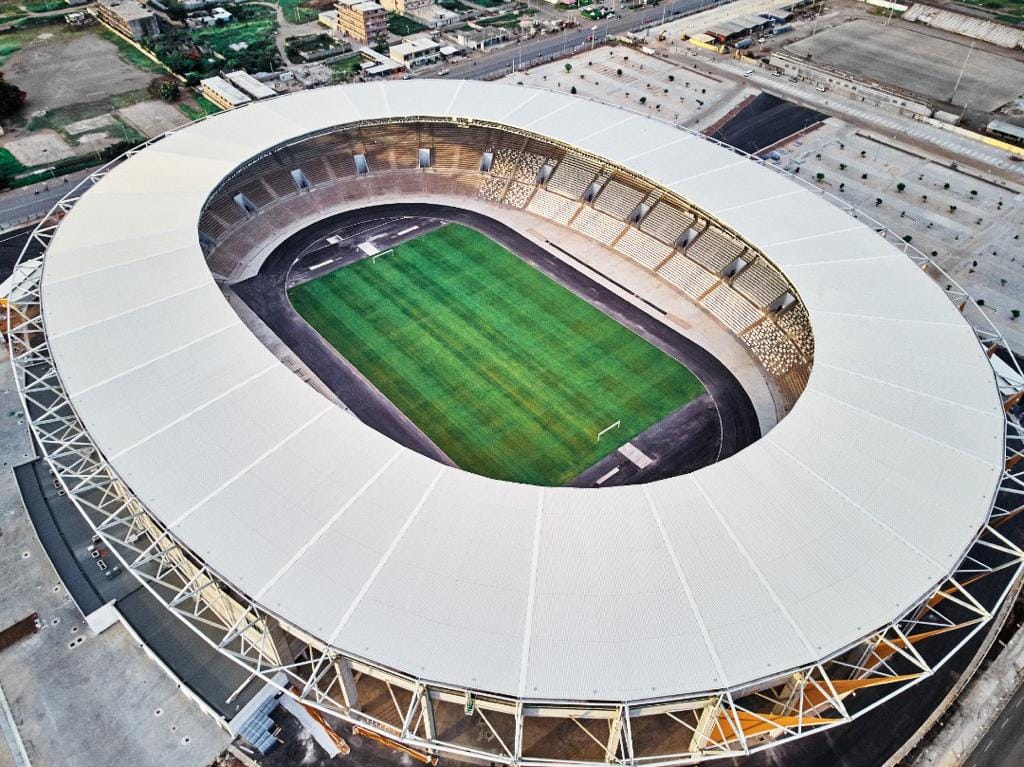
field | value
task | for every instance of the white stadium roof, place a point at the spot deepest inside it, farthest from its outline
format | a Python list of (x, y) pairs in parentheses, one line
[(846, 514)]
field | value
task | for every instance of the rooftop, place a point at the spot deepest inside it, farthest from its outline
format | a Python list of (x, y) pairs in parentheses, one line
[(128, 9), (847, 514)]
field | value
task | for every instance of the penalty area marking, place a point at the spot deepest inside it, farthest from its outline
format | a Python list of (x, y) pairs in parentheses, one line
[(607, 429), (640, 459)]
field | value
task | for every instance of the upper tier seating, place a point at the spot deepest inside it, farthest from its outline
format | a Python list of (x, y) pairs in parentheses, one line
[(693, 280), (573, 175), (714, 249), (618, 200), (666, 222), (761, 282)]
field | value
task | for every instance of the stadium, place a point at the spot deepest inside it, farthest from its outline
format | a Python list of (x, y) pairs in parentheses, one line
[(448, 522)]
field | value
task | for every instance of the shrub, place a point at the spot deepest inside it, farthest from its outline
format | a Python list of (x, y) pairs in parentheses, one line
[(900, 187)]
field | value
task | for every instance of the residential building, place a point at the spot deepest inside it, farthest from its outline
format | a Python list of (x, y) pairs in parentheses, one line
[(362, 20), (405, 6), (376, 64), (434, 16), (329, 19), (128, 17), (415, 52), (480, 39), (249, 85), (222, 93)]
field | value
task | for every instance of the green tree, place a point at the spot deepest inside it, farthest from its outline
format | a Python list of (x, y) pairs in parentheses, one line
[(175, 12), (900, 187), (568, 67), (12, 98), (573, 90)]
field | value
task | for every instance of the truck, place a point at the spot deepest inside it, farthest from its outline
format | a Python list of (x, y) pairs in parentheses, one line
[(781, 28), (746, 42)]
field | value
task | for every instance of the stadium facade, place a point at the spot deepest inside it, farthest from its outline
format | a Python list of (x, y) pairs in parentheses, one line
[(813, 576)]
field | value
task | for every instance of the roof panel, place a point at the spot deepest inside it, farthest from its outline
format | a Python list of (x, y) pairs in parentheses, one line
[(864, 496)]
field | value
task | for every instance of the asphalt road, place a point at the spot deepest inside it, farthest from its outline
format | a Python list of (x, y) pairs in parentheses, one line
[(545, 47), (31, 202), (11, 245), (1003, 746)]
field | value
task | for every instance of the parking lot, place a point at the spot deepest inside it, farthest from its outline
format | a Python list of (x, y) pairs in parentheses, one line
[(688, 94), (970, 226)]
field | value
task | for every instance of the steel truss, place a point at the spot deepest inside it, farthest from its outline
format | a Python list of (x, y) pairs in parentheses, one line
[(435, 718)]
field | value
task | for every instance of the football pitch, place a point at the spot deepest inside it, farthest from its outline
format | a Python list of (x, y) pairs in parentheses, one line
[(508, 372)]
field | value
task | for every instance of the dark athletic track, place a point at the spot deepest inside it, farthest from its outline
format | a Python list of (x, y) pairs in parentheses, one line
[(699, 433)]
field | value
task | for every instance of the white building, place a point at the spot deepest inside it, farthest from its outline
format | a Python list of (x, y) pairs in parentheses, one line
[(249, 85), (222, 93), (416, 52)]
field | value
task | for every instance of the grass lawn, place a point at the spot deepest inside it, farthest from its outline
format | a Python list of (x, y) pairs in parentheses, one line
[(297, 12), (508, 372), (131, 54), (205, 107), (402, 26)]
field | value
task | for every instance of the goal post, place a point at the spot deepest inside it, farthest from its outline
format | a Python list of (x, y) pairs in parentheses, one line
[(606, 429), (375, 256)]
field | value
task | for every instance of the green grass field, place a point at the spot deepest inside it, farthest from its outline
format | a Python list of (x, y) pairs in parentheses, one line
[(508, 372)]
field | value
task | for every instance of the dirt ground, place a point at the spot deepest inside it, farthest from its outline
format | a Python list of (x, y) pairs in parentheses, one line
[(919, 60), (153, 117), (57, 73), (39, 148)]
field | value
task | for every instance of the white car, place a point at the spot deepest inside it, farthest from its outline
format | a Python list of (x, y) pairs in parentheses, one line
[(748, 73), (443, 72)]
